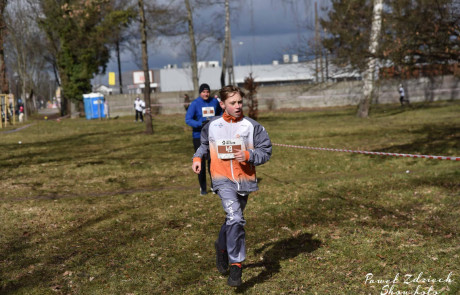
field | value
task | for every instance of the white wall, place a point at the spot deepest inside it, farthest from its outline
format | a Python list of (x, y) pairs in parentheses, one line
[(312, 96)]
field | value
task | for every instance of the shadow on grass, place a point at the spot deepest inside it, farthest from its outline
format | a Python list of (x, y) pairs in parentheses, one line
[(66, 250), (272, 178), (437, 139), (362, 206), (121, 191), (341, 204), (389, 111), (86, 149), (281, 250), (386, 110), (299, 115)]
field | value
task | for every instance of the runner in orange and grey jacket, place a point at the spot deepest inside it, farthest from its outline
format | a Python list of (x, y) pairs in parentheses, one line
[(225, 133), (236, 144)]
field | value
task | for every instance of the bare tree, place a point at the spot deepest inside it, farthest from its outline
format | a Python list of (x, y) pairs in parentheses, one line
[(145, 62), (202, 34), (368, 90), (122, 36), (251, 86), (309, 42), (191, 34), (26, 44), (4, 87), (199, 37)]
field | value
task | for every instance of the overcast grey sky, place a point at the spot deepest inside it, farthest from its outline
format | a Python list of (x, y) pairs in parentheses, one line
[(262, 31)]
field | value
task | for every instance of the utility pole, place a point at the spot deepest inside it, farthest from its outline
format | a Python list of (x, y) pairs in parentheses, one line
[(231, 73), (326, 58), (227, 57), (317, 48)]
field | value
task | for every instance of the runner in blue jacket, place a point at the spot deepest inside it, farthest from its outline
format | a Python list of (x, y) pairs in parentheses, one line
[(201, 110)]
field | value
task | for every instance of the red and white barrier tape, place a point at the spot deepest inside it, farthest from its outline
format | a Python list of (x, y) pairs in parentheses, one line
[(370, 153)]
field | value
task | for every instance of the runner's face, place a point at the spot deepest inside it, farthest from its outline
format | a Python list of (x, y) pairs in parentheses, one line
[(233, 105), (204, 94)]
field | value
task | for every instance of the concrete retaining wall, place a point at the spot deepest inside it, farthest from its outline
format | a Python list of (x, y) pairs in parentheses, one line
[(309, 95)]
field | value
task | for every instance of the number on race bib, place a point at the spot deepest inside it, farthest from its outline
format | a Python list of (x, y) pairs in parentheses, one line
[(227, 147), (207, 112)]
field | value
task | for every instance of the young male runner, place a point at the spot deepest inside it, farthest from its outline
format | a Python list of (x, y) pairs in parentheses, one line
[(236, 144)]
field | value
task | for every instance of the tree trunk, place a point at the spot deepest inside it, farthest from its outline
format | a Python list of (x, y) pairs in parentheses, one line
[(193, 57), (4, 87), (32, 102), (120, 79), (368, 90), (226, 44), (66, 109), (145, 63), (65, 105)]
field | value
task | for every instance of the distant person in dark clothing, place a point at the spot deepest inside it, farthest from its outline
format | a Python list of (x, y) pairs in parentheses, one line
[(186, 101)]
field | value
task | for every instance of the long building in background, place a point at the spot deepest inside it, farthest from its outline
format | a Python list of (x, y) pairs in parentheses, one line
[(173, 78)]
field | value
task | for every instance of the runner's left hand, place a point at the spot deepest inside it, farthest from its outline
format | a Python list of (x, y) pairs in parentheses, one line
[(240, 156)]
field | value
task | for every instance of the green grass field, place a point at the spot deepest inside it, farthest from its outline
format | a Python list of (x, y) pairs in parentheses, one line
[(98, 207)]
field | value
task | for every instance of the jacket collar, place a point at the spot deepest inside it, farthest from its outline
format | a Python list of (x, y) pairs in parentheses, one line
[(231, 119)]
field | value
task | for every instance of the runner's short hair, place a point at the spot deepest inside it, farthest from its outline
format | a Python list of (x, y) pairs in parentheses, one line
[(229, 91)]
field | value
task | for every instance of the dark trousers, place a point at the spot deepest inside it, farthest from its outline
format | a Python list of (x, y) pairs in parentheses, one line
[(202, 175), (139, 115)]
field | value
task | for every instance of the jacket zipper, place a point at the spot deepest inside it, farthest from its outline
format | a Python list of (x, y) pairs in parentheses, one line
[(231, 161)]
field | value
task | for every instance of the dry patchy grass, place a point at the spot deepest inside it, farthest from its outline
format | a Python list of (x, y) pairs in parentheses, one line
[(97, 207)]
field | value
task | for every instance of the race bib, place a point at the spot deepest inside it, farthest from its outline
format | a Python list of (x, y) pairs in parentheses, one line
[(226, 147), (208, 112)]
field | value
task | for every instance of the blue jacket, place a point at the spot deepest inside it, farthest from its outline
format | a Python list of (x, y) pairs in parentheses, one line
[(200, 111)]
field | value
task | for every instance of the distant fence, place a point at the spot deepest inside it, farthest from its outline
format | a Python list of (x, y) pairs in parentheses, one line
[(309, 95)]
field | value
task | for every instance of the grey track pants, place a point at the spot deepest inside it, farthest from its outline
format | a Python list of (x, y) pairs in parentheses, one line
[(232, 235)]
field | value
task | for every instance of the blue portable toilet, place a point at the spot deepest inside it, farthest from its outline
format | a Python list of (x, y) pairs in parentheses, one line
[(94, 105)]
